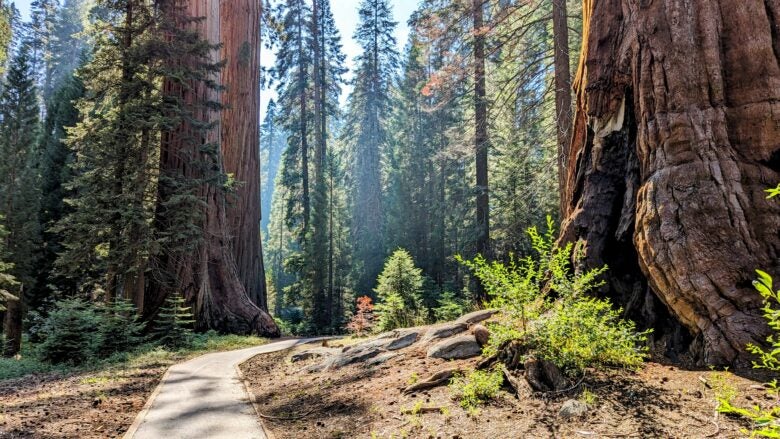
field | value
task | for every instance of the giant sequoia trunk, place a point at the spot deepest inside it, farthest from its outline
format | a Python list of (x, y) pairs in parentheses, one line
[(676, 136), (207, 276), (239, 125)]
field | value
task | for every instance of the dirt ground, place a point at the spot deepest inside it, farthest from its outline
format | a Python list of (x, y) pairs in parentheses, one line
[(85, 406), (366, 402)]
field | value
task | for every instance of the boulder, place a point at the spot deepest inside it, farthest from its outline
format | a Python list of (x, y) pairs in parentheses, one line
[(481, 333), (444, 331), (313, 353), (464, 346), (403, 338), (356, 354), (476, 316), (573, 409)]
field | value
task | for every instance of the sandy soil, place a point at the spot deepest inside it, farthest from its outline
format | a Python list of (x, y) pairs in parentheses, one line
[(367, 402), (89, 405)]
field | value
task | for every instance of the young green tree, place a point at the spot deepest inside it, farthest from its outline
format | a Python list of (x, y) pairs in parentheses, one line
[(399, 292)]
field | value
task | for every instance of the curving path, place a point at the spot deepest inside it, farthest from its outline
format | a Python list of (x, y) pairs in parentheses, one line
[(204, 398)]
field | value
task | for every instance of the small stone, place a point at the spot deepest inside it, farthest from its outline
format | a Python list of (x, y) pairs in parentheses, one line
[(573, 409)]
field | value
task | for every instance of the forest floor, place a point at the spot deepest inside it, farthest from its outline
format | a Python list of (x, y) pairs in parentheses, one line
[(97, 403), (359, 401)]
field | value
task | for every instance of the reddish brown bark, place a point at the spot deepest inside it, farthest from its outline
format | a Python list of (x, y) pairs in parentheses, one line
[(239, 125), (208, 276), (676, 136)]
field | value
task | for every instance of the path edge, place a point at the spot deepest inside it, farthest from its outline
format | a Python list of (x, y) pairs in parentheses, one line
[(253, 398), (139, 418)]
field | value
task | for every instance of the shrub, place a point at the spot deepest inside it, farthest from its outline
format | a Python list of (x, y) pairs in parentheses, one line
[(398, 289), (766, 420), (450, 307), (71, 333), (76, 331), (550, 309), (477, 387), (173, 327), (363, 320), (121, 329)]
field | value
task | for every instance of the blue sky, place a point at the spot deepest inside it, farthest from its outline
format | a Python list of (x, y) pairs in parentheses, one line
[(345, 13)]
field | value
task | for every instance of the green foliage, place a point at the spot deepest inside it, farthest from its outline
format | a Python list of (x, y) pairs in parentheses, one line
[(587, 332), (174, 323), (477, 387), (766, 420), (71, 333), (7, 281), (773, 192), (548, 306), (398, 290), (76, 331), (450, 307)]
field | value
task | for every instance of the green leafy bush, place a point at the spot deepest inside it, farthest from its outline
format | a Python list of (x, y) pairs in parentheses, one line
[(399, 288), (477, 387), (766, 420), (549, 307)]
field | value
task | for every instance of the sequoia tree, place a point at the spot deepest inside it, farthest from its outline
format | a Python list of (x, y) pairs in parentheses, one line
[(207, 274), (240, 38), (675, 138)]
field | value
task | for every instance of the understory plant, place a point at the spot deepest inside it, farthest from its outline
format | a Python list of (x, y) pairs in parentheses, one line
[(477, 387), (399, 289), (553, 311)]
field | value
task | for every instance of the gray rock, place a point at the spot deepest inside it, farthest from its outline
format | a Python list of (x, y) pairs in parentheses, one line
[(357, 354), (313, 353), (573, 409), (403, 339), (381, 359), (464, 346), (476, 316), (444, 331)]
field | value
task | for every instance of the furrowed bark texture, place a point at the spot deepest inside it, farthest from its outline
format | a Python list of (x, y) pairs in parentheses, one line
[(239, 125), (676, 136), (208, 277)]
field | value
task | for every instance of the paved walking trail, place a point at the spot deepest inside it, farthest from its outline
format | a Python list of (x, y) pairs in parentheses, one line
[(204, 398)]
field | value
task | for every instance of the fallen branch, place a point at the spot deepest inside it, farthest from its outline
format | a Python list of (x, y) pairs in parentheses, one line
[(418, 410), (515, 383), (437, 379), (285, 418), (566, 390)]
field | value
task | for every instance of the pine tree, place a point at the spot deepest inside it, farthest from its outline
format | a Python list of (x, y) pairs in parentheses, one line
[(40, 34), (7, 281), (67, 45), (106, 235), (19, 173), (174, 324), (5, 35), (19, 183), (56, 163), (366, 133)]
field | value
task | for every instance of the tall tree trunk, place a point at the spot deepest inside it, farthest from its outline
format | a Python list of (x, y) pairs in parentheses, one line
[(239, 124), (481, 136), (563, 110), (12, 326), (208, 276), (674, 141)]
